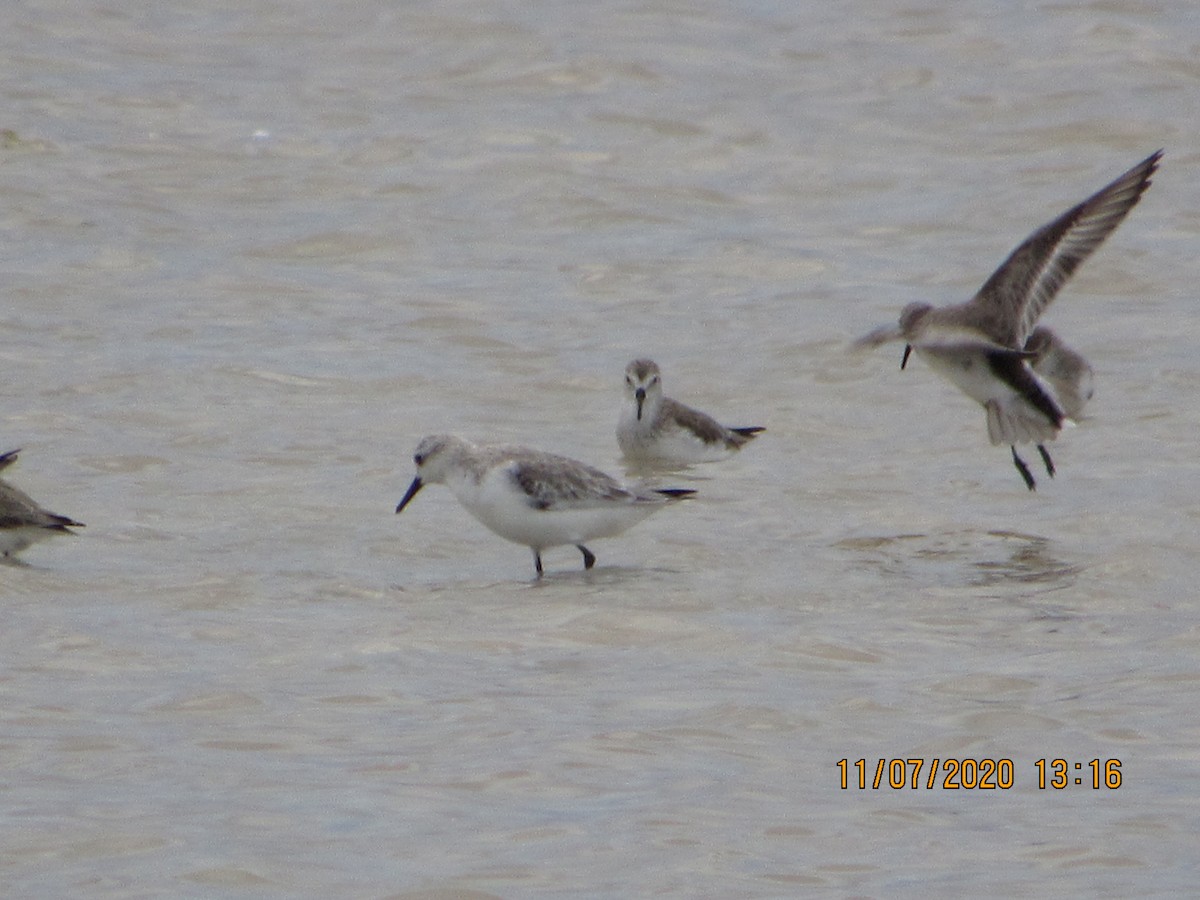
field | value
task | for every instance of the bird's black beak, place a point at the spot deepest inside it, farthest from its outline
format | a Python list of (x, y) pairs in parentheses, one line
[(416, 485), (904, 358), (640, 396)]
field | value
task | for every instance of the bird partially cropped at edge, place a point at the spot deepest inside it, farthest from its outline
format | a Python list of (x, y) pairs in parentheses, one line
[(22, 520)]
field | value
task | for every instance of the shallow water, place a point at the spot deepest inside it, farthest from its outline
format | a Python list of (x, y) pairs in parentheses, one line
[(255, 252)]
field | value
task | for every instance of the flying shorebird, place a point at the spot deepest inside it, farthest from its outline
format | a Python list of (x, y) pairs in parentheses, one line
[(654, 428), (980, 345), (533, 498)]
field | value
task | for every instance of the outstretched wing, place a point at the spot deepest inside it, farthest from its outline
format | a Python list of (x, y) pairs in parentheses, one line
[(1020, 290)]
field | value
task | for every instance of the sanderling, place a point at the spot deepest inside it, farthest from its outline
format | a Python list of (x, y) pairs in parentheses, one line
[(654, 428), (22, 521), (980, 345), (533, 498)]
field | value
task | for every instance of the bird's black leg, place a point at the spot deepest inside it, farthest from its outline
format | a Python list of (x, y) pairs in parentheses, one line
[(589, 558), (1024, 470), (537, 562), (904, 358), (1046, 459)]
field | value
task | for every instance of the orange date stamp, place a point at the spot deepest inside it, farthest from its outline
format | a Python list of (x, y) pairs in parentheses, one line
[(955, 774)]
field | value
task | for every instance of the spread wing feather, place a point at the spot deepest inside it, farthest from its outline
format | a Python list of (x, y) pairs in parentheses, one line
[(1019, 291)]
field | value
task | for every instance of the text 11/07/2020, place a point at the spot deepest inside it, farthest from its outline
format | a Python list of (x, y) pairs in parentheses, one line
[(975, 774)]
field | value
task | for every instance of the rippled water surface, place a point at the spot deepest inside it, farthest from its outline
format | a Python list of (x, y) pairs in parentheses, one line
[(254, 251)]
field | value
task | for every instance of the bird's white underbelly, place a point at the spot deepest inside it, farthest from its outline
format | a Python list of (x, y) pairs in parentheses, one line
[(1011, 417), (970, 373), (504, 509)]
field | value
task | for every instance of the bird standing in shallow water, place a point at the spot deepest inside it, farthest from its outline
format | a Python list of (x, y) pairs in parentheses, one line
[(533, 498), (655, 428), (980, 345), (22, 520)]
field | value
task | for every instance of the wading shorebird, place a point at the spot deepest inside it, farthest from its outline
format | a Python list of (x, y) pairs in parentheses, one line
[(533, 498), (654, 428)]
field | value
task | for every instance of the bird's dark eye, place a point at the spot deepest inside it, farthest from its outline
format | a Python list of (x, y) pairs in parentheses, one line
[(418, 459), (654, 380)]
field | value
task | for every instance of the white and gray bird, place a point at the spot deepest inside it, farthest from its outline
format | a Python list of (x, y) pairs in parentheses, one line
[(981, 345), (533, 498), (653, 428)]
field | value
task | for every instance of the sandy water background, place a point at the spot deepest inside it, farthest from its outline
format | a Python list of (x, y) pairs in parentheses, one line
[(252, 252)]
